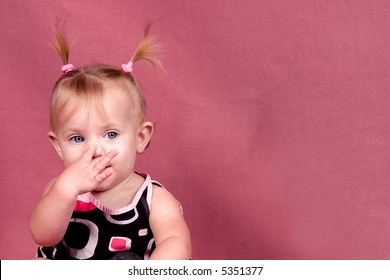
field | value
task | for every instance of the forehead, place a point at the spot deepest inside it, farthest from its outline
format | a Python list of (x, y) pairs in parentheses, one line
[(111, 103)]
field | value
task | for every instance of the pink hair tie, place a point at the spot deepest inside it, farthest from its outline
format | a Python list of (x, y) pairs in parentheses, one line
[(67, 68), (128, 68)]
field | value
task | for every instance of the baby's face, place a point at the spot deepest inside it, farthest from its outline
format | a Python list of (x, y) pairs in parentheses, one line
[(110, 126)]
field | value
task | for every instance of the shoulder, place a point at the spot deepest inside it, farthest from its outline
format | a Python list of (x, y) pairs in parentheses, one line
[(162, 195), (160, 200), (163, 201)]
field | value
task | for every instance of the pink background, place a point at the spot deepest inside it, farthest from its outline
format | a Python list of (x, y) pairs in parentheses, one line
[(272, 118)]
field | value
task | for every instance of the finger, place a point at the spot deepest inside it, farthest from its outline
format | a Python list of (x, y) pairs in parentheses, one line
[(88, 154), (103, 175), (105, 160)]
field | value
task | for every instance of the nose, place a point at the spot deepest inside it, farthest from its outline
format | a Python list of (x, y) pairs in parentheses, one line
[(99, 149)]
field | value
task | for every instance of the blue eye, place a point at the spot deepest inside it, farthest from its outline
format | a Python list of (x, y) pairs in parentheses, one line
[(77, 139), (112, 135)]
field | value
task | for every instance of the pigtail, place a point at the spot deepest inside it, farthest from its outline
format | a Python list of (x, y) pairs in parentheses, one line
[(147, 49), (61, 46)]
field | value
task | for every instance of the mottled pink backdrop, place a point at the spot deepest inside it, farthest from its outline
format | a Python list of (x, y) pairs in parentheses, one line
[(273, 118)]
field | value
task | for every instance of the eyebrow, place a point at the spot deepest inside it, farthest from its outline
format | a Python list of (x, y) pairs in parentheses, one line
[(72, 130), (79, 129)]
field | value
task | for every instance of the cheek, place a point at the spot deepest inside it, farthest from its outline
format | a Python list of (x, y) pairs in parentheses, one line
[(126, 145), (126, 154), (70, 156)]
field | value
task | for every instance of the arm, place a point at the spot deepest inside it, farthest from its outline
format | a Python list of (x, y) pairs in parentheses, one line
[(50, 218), (170, 230)]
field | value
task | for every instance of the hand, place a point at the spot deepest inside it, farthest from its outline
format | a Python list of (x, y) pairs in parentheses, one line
[(87, 173)]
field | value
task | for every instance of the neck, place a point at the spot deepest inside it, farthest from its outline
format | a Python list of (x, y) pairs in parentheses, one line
[(122, 194)]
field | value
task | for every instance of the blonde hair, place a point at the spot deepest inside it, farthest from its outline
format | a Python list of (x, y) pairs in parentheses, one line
[(87, 83)]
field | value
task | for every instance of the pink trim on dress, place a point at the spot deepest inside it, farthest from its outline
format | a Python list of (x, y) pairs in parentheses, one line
[(91, 198)]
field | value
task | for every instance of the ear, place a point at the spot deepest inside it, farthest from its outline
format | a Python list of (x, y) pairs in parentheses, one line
[(54, 141), (144, 134)]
